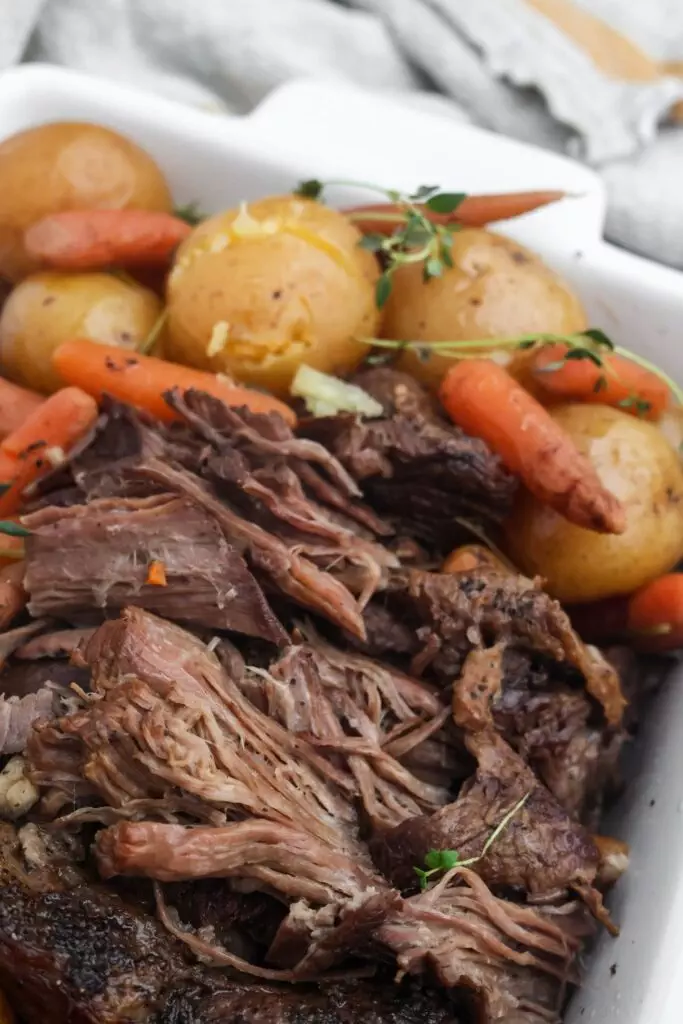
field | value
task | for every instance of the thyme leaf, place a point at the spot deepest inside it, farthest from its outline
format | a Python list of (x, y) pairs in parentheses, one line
[(437, 861), (11, 529)]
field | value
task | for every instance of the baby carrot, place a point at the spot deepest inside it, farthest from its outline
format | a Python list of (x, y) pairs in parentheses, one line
[(91, 239), (60, 420), (143, 380), (655, 614), (41, 441), (483, 399), (472, 212), (16, 404), (618, 382), (650, 619)]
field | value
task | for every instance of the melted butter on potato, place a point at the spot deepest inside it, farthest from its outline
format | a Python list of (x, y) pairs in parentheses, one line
[(495, 289), (288, 277), (634, 461)]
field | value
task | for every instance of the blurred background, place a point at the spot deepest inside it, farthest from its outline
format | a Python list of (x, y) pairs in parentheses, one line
[(601, 80)]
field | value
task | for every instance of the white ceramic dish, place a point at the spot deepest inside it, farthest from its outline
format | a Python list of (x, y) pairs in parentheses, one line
[(311, 129)]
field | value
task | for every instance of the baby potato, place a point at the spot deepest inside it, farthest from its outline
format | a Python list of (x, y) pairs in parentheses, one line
[(69, 166), (633, 460), (256, 291), (495, 289), (48, 308)]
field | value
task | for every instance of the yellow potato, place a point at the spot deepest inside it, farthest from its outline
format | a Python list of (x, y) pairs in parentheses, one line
[(495, 289), (69, 166), (49, 308), (258, 290), (636, 462)]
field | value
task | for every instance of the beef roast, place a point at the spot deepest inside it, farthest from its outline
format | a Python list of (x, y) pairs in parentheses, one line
[(18, 715), (413, 465), (360, 714), (453, 613), (383, 1002), (98, 556), (540, 850), (73, 953)]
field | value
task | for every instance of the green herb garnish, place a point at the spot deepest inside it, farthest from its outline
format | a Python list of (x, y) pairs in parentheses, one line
[(190, 213), (11, 529), (311, 189), (414, 239), (592, 344), (439, 861), (148, 343)]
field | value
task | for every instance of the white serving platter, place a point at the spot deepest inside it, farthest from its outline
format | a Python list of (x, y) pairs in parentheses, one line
[(313, 129)]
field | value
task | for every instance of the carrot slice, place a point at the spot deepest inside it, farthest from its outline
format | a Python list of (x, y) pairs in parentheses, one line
[(143, 380), (618, 382), (156, 574), (483, 399), (41, 441), (91, 239), (472, 212), (16, 404)]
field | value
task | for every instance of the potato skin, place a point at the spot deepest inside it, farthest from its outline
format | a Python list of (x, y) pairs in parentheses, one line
[(287, 277), (69, 166), (51, 307), (495, 289), (636, 462)]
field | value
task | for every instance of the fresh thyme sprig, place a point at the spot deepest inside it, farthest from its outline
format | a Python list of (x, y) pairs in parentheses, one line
[(437, 861), (592, 344), (190, 213), (415, 238)]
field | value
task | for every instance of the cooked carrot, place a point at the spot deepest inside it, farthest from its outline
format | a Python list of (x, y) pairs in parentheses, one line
[(655, 614), (483, 399), (618, 382), (13, 597), (472, 556), (91, 239), (650, 619), (156, 574), (41, 441), (143, 380), (472, 212), (61, 419), (16, 404)]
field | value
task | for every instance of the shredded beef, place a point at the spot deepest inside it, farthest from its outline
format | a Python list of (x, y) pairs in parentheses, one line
[(21, 678), (541, 850), (172, 722), (355, 711), (98, 555), (18, 715), (452, 613), (414, 466), (73, 953), (554, 726)]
